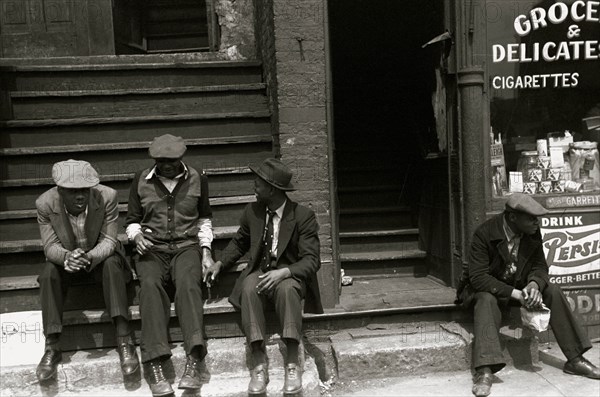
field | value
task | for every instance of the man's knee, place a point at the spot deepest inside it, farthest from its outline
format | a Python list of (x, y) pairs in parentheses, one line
[(485, 298), (552, 291), (249, 286), (288, 288), (112, 265), (50, 273)]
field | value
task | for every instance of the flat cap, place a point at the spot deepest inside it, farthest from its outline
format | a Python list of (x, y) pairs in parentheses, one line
[(167, 146), (519, 202), (74, 174)]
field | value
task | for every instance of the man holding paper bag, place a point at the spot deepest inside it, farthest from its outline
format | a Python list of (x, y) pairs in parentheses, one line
[(507, 266)]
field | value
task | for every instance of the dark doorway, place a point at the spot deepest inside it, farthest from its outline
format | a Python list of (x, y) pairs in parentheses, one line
[(384, 127), (163, 26)]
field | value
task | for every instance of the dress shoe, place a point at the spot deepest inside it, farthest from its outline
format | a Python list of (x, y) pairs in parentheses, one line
[(191, 374), (581, 366), (482, 385), (159, 386), (259, 378), (128, 357), (293, 379), (46, 369)]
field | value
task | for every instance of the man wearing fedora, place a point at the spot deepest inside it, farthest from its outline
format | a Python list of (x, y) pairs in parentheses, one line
[(169, 220), (507, 266), (78, 226), (282, 238)]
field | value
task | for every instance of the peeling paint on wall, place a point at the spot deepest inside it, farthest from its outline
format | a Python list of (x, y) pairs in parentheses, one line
[(236, 18)]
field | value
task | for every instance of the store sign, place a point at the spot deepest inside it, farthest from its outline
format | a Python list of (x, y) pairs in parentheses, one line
[(586, 303), (588, 200), (572, 248), (571, 49)]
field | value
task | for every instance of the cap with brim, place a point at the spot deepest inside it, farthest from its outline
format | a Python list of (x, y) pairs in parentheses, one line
[(275, 173), (167, 147), (74, 174), (519, 202)]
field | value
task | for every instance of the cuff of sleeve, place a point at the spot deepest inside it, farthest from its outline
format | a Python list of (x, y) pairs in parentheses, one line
[(539, 281)]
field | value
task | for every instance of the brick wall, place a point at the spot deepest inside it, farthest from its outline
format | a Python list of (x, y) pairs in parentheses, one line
[(291, 43)]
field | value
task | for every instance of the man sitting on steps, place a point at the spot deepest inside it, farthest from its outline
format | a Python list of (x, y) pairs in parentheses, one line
[(507, 265), (78, 225), (283, 241)]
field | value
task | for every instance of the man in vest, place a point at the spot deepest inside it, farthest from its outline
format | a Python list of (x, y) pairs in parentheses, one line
[(283, 241), (78, 225), (507, 266), (169, 220)]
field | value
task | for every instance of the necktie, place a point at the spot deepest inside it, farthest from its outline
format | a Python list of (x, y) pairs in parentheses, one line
[(267, 242)]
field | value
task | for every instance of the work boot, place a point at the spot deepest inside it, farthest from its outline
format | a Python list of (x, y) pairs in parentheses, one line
[(293, 379), (482, 384), (46, 369), (159, 386), (128, 356), (191, 374), (259, 379)]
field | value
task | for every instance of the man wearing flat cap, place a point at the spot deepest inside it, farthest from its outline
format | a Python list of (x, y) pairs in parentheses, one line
[(282, 238), (78, 226), (507, 266), (169, 220)]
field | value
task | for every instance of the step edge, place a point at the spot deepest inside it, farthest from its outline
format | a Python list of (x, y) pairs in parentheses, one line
[(100, 147), (116, 177), (360, 257), (380, 233), (35, 245), (132, 119), (140, 91), (214, 201), (130, 66)]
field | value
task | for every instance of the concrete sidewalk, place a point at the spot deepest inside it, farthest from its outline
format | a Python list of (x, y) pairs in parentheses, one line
[(543, 379)]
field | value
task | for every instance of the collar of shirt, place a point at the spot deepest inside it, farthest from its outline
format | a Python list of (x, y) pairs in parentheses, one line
[(508, 232), (153, 173), (84, 213), (279, 211)]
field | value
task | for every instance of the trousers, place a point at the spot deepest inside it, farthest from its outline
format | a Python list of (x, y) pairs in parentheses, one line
[(55, 281), (184, 267), (487, 350), (286, 297)]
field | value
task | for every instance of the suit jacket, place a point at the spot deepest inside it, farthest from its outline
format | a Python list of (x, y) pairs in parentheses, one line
[(489, 256), (101, 226), (298, 249)]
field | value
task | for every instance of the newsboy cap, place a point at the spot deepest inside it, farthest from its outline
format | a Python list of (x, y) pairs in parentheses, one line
[(275, 173), (167, 146), (519, 202), (74, 174)]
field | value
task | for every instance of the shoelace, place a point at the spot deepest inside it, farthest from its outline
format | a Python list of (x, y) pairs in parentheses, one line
[(292, 372), (190, 367), (157, 372), (260, 374), (125, 352)]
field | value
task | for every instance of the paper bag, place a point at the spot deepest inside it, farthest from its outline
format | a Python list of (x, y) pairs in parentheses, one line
[(537, 319)]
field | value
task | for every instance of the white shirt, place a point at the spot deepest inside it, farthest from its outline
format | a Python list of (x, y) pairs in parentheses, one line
[(276, 224)]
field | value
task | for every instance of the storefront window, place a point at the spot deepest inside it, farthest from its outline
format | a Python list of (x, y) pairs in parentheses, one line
[(543, 63)]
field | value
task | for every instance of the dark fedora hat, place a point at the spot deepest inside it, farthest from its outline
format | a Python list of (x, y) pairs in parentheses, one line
[(275, 173)]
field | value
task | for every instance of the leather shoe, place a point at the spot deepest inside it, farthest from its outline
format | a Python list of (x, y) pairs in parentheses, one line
[(159, 386), (581, 366), (191, 374), (46, 369), (259, 378), (293, 379), (482, 386), (128, 357)]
